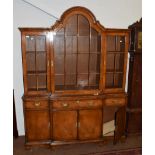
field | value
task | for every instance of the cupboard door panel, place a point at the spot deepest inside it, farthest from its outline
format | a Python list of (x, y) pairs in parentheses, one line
[(64, 125), (120, 123), (90, 124), (37, 125), (36, 62)]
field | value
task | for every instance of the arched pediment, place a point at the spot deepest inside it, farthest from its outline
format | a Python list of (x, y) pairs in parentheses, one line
[(78, 10)]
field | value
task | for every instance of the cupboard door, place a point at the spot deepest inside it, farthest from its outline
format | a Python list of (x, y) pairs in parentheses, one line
[(64, 125), (37, 125), (77, 55), (90, 124), (120, 123), (36, 68), (116, 59)]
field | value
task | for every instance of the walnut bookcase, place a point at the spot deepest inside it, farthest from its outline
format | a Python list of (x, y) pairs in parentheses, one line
[(74, 80)]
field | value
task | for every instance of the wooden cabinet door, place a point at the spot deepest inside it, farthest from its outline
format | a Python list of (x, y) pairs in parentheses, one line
[(35, 47), (37, 125), (120, 123), (90, 124), (64, 125)]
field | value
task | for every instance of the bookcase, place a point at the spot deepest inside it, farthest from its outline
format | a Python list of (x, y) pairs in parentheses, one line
[(74, 76)]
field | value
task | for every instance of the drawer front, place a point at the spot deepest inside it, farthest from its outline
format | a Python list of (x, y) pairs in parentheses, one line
[(64, 105), (36, 104), (77, 104), (89, 103), (115, 101)]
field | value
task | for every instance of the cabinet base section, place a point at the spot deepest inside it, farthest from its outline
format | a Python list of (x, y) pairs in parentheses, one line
[(29, 145), (52, 144), (134, 121)]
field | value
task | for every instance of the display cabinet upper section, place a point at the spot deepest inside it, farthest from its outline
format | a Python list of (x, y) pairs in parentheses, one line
[(74, 56)]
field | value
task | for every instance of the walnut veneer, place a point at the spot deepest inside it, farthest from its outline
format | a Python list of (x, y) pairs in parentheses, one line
[(74, 80)]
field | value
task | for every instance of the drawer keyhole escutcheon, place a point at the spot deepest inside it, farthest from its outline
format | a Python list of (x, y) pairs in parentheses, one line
[(37, 104), (65, 105)]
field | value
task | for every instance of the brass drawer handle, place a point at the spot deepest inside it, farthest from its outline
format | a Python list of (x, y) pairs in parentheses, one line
[(37, 104), (65, 104), (96, 93)]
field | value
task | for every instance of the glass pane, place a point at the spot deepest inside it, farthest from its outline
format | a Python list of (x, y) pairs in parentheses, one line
[(118, 80), (83, 63), (30, 43), (99, 43), (40, 43), (94, 32), (31, 81), (70, 80), (111, 43), (95, 41), (119, 62), (42, 81), (71, 44), (116, 43), (60, 32), (110, 62), (41, 61), (82, 81), (59, 44), (83, 44), (30, 61), (93, 45), (70, 67), (83, 26), (109, 80), (94, 63), (59, 64), (120, 43), (71, 26), (59, 81), (94, 79)]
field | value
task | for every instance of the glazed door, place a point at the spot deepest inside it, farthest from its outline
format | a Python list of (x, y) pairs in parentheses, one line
[(116, 60), (64, 125), (36, 62), (90, 124), (120, 123), (77, 55), (37, 125)]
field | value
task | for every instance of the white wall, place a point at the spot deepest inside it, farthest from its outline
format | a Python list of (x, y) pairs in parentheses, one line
[(110, 13)]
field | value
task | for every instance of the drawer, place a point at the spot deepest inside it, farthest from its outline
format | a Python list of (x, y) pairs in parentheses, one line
[(77, 104), (89, 103), (64, 105), (115, 101), (36, 105)]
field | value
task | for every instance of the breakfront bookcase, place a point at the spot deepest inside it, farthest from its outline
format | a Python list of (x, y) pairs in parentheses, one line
[(74, 81)]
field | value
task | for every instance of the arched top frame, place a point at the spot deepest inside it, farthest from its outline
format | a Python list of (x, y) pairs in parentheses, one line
[(78, 10)]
